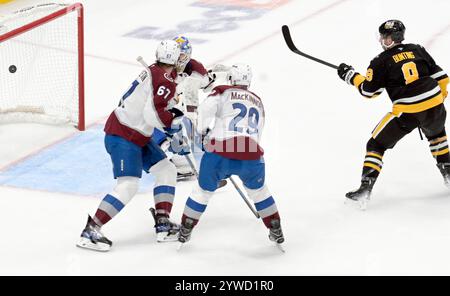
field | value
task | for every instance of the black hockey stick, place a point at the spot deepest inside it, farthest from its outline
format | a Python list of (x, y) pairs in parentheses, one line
[(291, 45)]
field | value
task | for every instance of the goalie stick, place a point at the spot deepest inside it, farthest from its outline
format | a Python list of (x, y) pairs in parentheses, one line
[(293, 48)]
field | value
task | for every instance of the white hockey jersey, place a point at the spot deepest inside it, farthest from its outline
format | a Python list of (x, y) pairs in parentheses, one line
[(235, 117), (144, 107)]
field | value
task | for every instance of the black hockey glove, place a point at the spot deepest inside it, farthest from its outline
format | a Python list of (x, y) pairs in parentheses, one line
[(176, 112), (176, 122), (346, 72)]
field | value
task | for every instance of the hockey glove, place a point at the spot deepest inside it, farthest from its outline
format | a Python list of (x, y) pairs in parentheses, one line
[(176, 112), (173, 129), (179, 145), (176, 126), (211, 79), (346, 73)]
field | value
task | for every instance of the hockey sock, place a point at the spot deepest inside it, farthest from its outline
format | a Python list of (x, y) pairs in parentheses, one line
[(193, 210), (114, 202), (264, 204), (373, 163), (164, 196), (268, 211), (196, 204), (165, 174), (108, 208), (439, 149)]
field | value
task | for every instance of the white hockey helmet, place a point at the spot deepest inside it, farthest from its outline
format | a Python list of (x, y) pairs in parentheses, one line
[(168, 52), (240, 74)]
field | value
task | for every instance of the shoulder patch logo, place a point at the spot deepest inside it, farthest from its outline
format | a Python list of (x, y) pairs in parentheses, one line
[(143, 75)]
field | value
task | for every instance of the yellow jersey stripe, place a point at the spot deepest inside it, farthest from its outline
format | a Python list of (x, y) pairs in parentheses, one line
[(437, 153), (374, 155), (386, 119), (438, 140), (358, 80), (419, 107), (443, 85), (371, 165)]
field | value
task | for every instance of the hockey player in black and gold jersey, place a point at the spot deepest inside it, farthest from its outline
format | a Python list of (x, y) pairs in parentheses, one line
[(417, 87)]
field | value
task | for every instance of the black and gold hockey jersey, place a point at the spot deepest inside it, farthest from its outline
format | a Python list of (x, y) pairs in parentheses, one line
[(410, 76)]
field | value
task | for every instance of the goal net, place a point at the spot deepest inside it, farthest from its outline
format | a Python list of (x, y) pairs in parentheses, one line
[(42, 65)]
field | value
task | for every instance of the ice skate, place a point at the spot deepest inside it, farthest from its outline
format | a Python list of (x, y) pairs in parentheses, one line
[(166, 230), (444, 168), (185, 176), (185, 232), (361, 196), (276, 234), (93, 239)]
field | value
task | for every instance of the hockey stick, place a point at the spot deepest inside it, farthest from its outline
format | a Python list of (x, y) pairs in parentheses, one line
[(191, 164), (244, 198), (142, 62), (292, 47)]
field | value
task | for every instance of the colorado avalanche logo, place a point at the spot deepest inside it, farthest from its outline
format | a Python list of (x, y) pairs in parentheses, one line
[(167, 76)]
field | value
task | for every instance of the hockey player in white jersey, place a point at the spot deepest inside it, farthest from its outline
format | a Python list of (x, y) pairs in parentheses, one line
[(192, 77), (148, 104), (232, 119)]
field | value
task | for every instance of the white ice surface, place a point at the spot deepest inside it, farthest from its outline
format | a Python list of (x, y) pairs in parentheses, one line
[(315, 136)]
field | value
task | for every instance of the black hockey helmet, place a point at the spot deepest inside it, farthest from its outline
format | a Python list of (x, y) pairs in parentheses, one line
[(394, 28)]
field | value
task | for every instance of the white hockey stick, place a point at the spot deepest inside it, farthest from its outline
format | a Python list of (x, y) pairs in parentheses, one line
[(244, 198), (142, 62)]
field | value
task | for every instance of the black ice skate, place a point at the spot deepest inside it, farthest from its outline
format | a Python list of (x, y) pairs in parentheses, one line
[(185, 176), (276, 234), (185, 232), (93, 239), (444, 168), (362, 195), (166, 230)]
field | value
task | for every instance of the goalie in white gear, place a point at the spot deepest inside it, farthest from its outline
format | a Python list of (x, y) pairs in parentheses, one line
[(192, 76), (148, 104)]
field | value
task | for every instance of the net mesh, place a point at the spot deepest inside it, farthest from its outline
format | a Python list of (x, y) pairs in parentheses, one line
[(39, 68)]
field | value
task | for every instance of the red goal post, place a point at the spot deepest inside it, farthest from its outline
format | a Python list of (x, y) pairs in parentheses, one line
[(42, 65)]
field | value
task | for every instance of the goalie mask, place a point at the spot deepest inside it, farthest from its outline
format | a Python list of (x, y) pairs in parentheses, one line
[(186, 51), (240, 74)]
